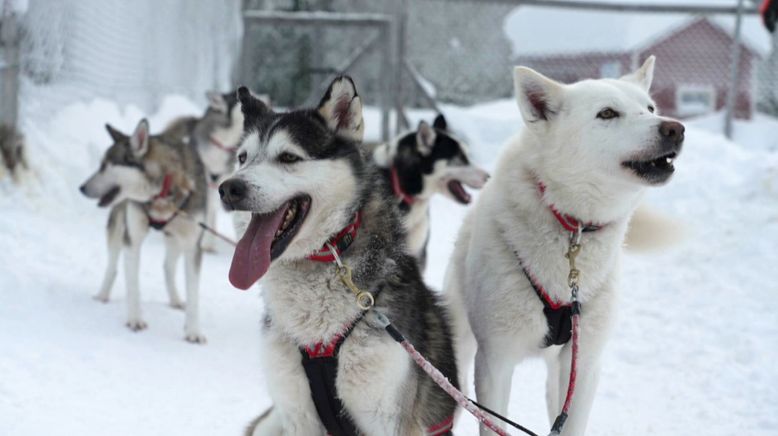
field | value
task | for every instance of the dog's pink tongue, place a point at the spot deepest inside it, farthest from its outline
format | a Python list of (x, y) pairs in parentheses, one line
[(252, 254), (459, 192)]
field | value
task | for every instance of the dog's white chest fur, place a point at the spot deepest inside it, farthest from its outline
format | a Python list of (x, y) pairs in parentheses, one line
[(309, 304)]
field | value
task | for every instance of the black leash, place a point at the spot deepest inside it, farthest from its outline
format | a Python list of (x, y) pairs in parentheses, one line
[(502, 418)]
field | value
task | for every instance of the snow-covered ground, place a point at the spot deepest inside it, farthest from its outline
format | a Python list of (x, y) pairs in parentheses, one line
[(694, 351)]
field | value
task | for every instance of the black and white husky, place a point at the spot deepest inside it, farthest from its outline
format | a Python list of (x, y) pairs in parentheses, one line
[(584, 160), (152, 181), (329, 365), (420, 164)]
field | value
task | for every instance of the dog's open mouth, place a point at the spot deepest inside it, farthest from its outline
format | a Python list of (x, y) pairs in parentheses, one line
[(109, 197), (266, 238), (458, 191), (654, 170)]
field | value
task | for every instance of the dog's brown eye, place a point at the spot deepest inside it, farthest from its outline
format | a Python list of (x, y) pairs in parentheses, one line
[(607, 114), (242, 158), (288, 158), (651, 109)]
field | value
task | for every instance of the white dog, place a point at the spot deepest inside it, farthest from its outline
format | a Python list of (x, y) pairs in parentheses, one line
[(587, 153)]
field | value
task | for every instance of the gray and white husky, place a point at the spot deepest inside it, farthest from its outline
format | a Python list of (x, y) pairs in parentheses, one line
[(152, 181), (586, 155), (215, 136), (303, 177), (420, 164)]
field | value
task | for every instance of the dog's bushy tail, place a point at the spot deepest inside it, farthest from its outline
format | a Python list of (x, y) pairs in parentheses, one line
[(650, 230)]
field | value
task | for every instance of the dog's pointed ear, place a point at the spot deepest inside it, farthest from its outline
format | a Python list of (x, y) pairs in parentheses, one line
[(440, 123), (644, 75), (252, 107), (341, 108), (116, 135), (216, 101), (139, 141), (538, 96), (425, 137)]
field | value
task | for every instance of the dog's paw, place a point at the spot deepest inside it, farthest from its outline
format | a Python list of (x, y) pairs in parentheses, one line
[(195, 338), (137, 325), (101, 298), (179, 305)]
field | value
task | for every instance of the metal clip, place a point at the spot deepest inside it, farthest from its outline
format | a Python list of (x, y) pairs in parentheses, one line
[(364, 299), (572, 252)]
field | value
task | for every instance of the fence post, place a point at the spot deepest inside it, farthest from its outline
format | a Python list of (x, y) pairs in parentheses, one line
[(386, 79), (9, 67), (734, 74), (400, 26)]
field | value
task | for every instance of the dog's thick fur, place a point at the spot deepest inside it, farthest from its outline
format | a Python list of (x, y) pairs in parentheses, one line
[(578, 149), (316, 152), (427, 161), (130, 176), (215, 136)]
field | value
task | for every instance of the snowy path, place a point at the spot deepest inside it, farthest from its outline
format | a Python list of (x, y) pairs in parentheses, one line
[(694, 351)]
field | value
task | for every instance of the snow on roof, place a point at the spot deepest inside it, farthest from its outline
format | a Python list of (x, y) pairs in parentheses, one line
[(543, 30)]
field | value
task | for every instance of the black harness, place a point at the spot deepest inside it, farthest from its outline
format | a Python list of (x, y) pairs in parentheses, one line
[(559, 317), (320, 362)]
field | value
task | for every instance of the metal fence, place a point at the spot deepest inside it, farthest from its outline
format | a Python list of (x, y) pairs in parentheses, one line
[(462, 51), (128, 52), (404, 53), (293, 56)]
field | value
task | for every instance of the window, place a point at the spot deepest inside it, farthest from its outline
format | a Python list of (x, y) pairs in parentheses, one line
[(610, 70), (694, 100)]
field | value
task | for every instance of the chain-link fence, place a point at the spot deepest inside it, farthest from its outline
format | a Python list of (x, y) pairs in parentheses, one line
[(694, 72), (402, 53), (292, 52), (129, 52), (462, 51)]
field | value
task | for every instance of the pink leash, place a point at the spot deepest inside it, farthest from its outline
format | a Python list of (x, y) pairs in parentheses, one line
[(438, 376)]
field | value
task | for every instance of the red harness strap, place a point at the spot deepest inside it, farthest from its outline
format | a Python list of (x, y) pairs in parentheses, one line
[(221, 146), (541, 291), (568, 222), (320, 349), (441, 428), (167, 183), (340, 242), (398, 190)]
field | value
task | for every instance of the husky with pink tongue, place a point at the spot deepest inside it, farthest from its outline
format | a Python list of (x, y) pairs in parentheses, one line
[(330, 367)]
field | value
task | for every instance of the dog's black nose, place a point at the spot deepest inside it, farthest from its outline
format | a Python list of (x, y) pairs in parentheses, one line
[(82, 188), (672, 131), (232, 191)]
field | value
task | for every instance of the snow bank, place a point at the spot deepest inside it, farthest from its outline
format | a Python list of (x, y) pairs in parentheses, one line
[(692, 352)]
